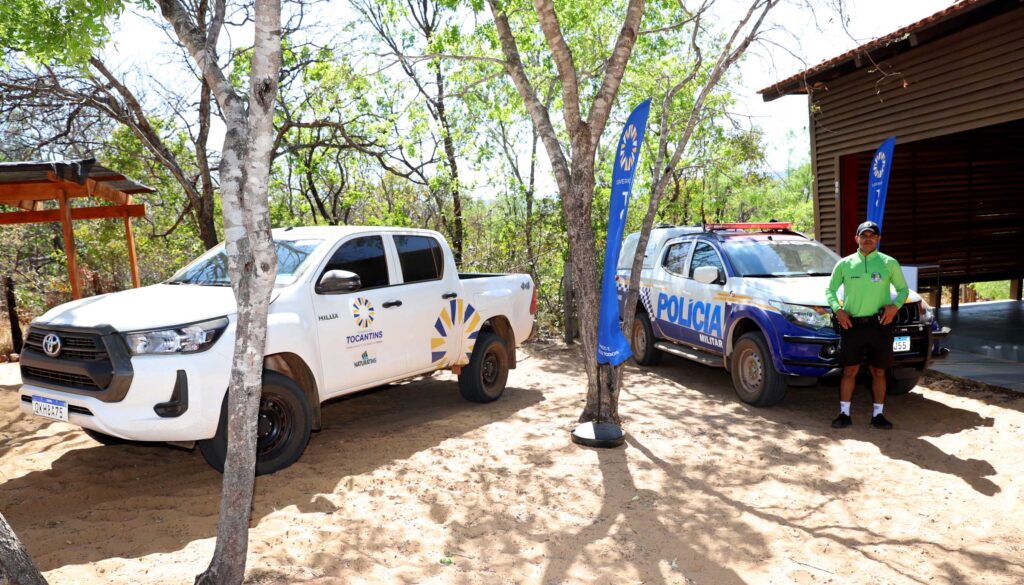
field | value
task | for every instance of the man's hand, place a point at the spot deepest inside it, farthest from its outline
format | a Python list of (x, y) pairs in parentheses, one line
[(844, 319), (889, 314)]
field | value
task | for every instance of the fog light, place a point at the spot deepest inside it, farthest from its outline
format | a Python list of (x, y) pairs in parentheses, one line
[(829, 350)]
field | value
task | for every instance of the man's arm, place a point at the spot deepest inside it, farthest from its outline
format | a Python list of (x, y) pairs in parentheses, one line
[(832, 289), (899, 282)]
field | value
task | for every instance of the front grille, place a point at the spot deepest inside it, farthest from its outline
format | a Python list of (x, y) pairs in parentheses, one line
[(73, 346), (908, 313), (58, 378)]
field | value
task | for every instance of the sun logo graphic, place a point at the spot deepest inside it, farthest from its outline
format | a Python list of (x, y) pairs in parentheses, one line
[(628, 147), (362, 312), (878, 165), (458, 321)]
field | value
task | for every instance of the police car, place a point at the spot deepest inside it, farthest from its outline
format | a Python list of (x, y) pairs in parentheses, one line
[(750, 297)]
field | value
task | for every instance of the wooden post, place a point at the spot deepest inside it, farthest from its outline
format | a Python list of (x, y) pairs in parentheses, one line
[(954, 303), (1015, 288), (69, 243), (132, 258)]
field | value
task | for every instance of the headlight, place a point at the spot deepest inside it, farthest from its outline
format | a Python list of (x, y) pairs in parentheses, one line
[(190, 338), (927, 313), (803, 315)]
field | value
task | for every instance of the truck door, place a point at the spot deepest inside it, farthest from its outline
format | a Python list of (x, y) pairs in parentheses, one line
[(438, 326), (665, 298), (705, 303), (360, 332)]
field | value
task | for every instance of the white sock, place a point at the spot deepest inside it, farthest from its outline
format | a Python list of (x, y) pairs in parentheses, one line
[(844, 408), (877, 410)]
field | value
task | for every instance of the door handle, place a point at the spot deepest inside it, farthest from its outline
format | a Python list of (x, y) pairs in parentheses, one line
[(450, 295), (389, 304)]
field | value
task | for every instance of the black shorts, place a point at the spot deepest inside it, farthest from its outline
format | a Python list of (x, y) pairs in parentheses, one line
[(870, 341)]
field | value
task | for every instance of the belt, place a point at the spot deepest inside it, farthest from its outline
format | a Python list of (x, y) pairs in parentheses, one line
[(870, 320)]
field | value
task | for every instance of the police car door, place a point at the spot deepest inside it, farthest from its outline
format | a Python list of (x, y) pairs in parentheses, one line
[(665, 295), (358, 330), (704, 312)]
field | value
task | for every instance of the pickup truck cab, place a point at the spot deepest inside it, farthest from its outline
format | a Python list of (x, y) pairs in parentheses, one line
[(352, 308), (754, 303)]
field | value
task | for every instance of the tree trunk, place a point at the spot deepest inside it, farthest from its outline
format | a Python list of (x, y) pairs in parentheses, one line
[(12, 314), (453, 170), (252, 262), (15, 564)]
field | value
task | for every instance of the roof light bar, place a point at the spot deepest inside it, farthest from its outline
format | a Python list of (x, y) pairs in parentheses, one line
[(775, 225)]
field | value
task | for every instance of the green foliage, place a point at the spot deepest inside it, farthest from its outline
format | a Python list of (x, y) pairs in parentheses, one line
[(65, 31), (992, 291)]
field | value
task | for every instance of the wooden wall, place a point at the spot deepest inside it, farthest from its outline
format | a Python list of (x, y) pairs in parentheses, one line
[(971, 79)]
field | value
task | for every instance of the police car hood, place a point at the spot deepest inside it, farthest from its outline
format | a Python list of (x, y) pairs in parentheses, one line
[(798, 290), (150, 307)]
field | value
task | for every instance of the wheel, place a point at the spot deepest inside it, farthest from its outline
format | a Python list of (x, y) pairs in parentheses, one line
[(642, 342), (283, 427), (103, 438), (899, 386), (755, 378), (483, 380)]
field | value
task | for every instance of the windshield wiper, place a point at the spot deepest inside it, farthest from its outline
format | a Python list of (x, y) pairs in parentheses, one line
[(818, 273)]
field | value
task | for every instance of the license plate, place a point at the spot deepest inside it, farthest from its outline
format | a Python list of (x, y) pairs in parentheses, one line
[(901, 343), (50, 408)]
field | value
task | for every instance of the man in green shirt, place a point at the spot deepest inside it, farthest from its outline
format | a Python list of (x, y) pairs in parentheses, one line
[(866, 315)]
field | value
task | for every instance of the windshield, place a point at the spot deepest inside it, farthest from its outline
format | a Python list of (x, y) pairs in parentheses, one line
[(778, 258), (211, 269)]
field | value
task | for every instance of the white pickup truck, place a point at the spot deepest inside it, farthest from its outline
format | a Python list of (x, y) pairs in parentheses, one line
[(352, 308)]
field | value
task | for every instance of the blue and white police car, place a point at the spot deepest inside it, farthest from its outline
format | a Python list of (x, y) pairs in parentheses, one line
[(751, 298)]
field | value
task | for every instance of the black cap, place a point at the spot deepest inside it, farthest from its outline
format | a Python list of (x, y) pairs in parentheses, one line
[(869, 225)]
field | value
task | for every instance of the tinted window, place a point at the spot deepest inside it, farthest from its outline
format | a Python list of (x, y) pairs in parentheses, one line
[(675, 257), (420, 257), (365, 257), (705, 255)]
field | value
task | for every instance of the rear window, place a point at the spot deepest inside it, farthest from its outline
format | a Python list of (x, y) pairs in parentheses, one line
[(420, 257)]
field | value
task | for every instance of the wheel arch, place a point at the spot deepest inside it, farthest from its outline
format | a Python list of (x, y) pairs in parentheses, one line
[(737, 329), (501, 326), (293, 366)]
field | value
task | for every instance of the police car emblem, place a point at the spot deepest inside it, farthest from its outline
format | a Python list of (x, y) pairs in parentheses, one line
[(51, 345)]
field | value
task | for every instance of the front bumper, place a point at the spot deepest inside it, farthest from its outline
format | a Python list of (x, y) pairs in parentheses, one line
[(150, 408), (817, 355)]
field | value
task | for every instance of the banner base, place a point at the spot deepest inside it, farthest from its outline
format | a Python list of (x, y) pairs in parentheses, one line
[(601, 435)]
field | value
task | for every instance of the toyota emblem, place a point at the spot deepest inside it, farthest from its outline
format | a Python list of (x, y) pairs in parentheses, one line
[(51, 344)]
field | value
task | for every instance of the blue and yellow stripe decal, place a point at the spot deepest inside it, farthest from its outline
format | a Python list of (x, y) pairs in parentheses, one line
[(458, 319)]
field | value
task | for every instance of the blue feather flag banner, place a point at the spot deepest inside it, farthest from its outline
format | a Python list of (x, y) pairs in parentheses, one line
[(612, 345), (878, 180)]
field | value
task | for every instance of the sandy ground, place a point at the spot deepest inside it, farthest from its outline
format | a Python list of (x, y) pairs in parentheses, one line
[(413, 485)]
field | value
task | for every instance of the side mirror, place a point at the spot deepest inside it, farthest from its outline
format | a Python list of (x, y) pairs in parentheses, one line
[(707, 274), (334, 282)]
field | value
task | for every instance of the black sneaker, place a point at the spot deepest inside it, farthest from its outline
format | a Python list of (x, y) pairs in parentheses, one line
[(879, 422), (842, 421)]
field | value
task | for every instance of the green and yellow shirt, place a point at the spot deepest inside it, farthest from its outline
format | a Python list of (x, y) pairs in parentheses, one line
[(865, 281)]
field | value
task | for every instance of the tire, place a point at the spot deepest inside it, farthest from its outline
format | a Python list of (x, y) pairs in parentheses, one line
[(103, 438), (283, 427), (899, 386), (754, 376), (483, 380), (642, 342)]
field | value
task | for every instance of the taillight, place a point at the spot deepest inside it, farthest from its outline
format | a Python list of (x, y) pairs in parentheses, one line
[(533, 302)]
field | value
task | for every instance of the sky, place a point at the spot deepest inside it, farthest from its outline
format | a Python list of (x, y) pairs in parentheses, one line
[(798, 39), (784, 120)]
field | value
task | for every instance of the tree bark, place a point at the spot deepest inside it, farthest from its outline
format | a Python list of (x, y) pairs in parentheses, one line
[(15, 564), (12, 314)]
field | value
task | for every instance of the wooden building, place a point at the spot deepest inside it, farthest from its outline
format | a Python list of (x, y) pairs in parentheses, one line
[(43, 192), (951, 89)]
